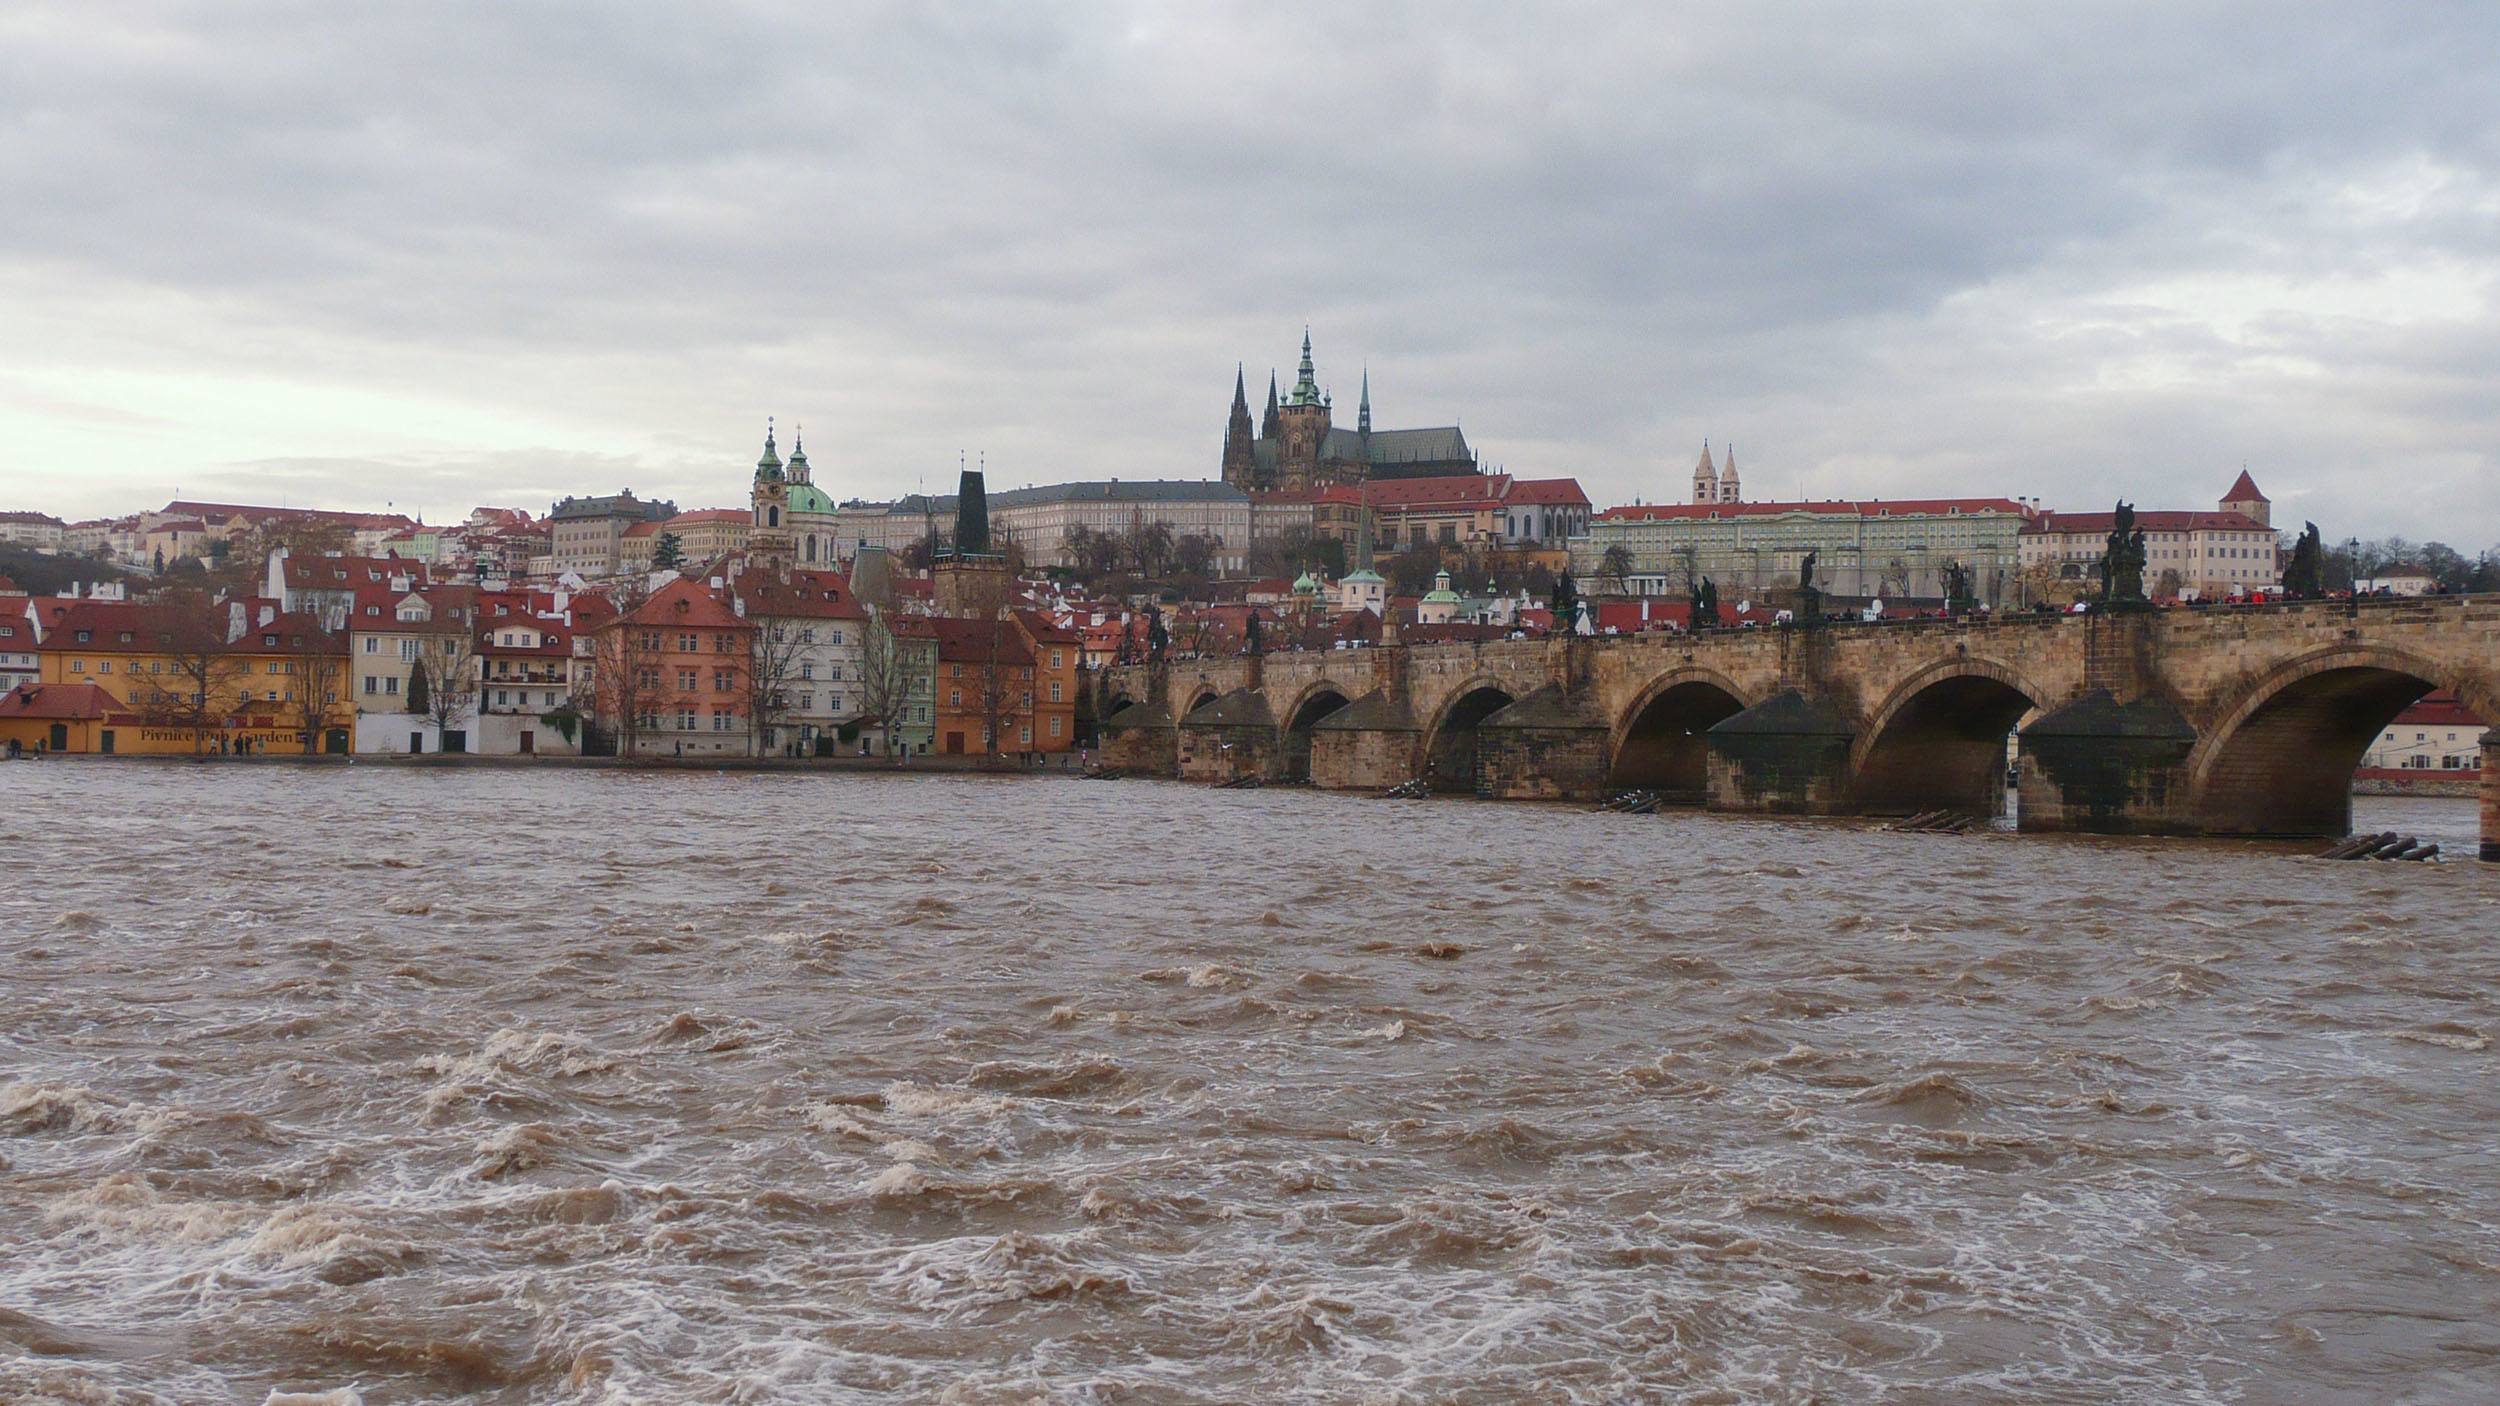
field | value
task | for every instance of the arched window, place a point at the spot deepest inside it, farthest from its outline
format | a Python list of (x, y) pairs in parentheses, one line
[(811, 548), (772, 517)]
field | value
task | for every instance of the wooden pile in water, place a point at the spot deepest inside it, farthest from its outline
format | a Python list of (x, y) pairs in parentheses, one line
[(1105, 773), (1414, 790), (1238, 783), (1938, 822), (2386, 844), (1632, 803)]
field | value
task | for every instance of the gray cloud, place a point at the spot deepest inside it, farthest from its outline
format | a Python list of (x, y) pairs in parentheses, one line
[(1891, 249)]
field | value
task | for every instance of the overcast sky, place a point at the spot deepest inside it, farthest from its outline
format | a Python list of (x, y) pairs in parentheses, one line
[(441, 254)]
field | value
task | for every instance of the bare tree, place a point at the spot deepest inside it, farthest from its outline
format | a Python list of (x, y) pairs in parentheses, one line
[(447, 651), (204, 673), (1149, 543), (774, 652), (1615, 564), (625, 685), (884, 684), (1005, 686), (316, 661)]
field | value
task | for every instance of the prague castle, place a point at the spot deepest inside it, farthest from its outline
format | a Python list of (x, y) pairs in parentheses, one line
[(1298, 447)]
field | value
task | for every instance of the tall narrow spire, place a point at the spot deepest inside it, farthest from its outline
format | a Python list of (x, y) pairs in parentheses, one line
[(1240, 454), (768, 466), (1306, 385), (1268, 426), (798, 454), (1363, 416)]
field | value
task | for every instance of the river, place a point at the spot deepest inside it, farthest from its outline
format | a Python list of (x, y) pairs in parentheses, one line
[(585, 1086)]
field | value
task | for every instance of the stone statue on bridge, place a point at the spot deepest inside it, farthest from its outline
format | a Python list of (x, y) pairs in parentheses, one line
[(2304, 576), (1705, 605), (1809, 600), (2122, 562), (1958, 598), (1158, 639)]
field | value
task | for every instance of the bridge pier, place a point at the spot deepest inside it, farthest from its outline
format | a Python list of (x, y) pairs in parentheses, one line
[(1368, 745), (2491, 796), (2105, 767), (1548, 746), (1787, 755), (1140, 738), (1229, 739)]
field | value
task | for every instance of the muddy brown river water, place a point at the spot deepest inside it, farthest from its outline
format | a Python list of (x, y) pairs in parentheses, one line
[(498, 1086)]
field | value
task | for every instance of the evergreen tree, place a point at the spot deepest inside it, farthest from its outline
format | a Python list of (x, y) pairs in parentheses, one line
[(420, 693), (669, 554)]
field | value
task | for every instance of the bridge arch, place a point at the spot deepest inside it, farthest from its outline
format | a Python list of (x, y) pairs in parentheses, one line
[(1450, 743), (1199, 696), (1661, 743), (2279, 755), (1293, 745), (1937, 740)]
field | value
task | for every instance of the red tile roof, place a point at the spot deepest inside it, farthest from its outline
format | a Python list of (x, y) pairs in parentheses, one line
[(2244, 490), (968, 641), (2156, 520), (1838, 507), (62, 702)]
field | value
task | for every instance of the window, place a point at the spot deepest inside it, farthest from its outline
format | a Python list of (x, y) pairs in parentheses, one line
[(1058, 659), (1054, 724), (723, 681), (391, 685), (721, 720), (407, 651), (685, 720), (807, 668), (954, 698), (833, 702), (373, 685), (84, 636), (837, 637), (503, 698), (105, 666), (1054, 690), (807, 701), (78, 666)]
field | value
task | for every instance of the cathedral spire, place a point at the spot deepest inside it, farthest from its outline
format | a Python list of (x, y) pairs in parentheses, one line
[(1363, 416), (1306, 385), (1268, 426), (1240, 457)]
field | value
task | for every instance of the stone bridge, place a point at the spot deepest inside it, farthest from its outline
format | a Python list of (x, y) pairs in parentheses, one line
[(2239, 721)]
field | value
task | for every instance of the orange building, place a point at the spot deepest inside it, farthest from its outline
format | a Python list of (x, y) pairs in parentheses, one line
[(272, 681), (984, 687), (671, 678), (1058, 650)]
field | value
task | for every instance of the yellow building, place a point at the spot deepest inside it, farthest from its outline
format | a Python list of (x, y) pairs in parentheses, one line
[(194, 676)]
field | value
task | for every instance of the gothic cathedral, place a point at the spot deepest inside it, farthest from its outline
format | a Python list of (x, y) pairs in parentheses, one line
[(1297, 447)]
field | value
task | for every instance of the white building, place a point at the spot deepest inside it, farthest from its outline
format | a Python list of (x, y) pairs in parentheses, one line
[(2435, 734)]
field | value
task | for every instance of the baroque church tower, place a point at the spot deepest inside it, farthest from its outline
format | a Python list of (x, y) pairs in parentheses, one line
[(768, 543)]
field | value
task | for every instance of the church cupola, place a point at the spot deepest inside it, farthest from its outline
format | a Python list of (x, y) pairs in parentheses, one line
[(798, 453), (768, 468)]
